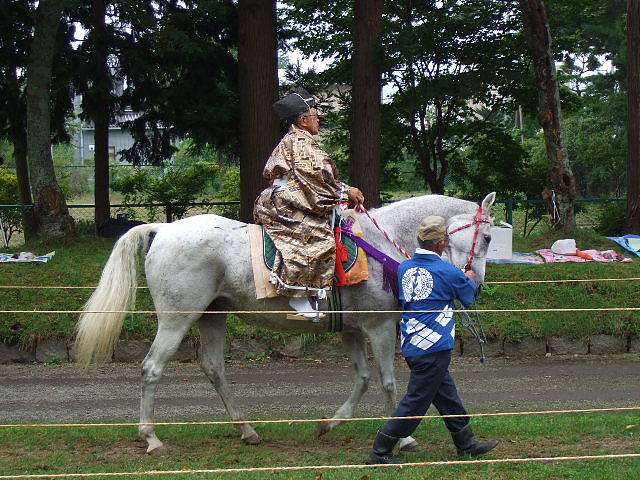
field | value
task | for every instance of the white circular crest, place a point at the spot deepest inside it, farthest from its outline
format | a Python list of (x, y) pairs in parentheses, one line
[(417, 284)]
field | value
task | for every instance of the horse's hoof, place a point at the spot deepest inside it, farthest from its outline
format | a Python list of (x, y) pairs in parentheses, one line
[(253, 439), (158, 451), (325, 427), (411, 447)]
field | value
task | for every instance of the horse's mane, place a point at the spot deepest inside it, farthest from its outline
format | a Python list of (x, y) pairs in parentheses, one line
[(418, 203)]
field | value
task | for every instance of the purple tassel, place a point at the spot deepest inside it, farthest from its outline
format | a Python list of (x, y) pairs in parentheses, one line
[(390, 280), (389, 265)]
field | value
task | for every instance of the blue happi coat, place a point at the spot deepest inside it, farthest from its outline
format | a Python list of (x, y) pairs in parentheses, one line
[(429, 283)]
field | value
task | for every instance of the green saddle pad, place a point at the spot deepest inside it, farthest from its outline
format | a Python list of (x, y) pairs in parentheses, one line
[(270, 251)]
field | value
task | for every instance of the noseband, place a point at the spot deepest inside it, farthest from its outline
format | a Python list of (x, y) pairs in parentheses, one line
[(477, 220)]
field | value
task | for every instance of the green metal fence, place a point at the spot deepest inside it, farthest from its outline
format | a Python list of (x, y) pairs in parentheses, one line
[(523, 215)]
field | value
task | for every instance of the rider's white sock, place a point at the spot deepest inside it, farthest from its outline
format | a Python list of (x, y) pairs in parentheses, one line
[(303, 306)]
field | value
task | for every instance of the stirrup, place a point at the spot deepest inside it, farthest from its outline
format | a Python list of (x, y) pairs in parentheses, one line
[(304, 310)]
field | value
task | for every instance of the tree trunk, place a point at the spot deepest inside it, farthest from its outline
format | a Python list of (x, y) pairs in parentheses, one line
[(538, 36), (258, 87), (100, 92), (18, 137), (365, 102), (51, 214), (24, 189), (633, 129)]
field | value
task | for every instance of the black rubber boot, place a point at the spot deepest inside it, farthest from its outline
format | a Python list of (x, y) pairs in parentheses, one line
[(466, 443), (382, 450)]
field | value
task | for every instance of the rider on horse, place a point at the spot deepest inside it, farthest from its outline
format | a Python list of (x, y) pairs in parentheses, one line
[(295, 209)]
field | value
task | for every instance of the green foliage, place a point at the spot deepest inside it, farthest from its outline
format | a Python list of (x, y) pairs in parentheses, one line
[(73, 181), (11, 218), (611, 218), (176, 186), (597, 144), (493, 161), (449, 66), (229, 192), (180, 63), (6, 152)]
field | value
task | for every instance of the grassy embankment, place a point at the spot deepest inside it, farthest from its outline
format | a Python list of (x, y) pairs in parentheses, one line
[(78, 262)]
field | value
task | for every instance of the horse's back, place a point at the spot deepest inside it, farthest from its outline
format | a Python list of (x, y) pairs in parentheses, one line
[(196, 243), (187, 234)]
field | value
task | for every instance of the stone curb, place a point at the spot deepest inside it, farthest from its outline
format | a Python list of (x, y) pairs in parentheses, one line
[(55, 350)]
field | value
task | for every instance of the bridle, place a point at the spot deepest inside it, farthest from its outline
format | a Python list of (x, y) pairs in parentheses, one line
[(477, 220), (473, 323)]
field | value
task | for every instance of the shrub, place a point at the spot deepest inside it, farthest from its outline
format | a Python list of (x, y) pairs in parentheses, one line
[(177, 186), (611, 218), (229, 192), (11, 218)]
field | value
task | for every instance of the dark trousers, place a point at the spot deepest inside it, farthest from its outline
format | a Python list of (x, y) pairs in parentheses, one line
[(430, 382)]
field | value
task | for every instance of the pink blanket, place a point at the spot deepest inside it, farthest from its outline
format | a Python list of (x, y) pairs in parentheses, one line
[(597, 255)]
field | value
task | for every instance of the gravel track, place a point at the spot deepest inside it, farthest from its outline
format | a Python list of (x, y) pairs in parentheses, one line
[(309, 388)]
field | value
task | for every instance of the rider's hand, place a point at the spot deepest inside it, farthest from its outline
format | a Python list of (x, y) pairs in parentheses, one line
[(355, 195), (472, 275)]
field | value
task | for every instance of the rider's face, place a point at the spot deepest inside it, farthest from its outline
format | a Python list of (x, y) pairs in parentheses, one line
[(310, 121)]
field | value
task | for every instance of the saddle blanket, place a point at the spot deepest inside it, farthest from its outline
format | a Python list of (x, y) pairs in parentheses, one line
[(263, 254)]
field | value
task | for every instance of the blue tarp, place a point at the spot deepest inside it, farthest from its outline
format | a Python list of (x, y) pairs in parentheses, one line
[(624, 242)]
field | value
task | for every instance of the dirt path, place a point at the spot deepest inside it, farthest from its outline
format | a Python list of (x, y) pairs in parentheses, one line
[(61, 393)]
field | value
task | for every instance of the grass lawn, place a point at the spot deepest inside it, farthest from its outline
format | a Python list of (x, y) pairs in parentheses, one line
[(52, 451)]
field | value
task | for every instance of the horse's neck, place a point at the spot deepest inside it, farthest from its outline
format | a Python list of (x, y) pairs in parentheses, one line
[(401, 219)]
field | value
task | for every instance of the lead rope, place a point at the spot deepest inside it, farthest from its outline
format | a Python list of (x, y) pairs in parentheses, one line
[(474, 325), (360, 208)]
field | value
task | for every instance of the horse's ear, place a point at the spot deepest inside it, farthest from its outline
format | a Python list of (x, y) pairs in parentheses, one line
[(488, 202)]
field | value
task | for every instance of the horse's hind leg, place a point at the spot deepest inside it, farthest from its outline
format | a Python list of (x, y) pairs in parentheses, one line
[(212, 362), (355, 347), (170, 333)]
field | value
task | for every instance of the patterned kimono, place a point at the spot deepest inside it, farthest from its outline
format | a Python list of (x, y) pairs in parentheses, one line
[(295, 211)]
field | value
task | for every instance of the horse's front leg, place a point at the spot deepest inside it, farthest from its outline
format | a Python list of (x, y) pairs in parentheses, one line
[(212, 362), (382, 336), (355, 347), (166, 343)]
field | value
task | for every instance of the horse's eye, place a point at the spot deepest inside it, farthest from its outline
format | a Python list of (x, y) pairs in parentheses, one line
[(487, 238)]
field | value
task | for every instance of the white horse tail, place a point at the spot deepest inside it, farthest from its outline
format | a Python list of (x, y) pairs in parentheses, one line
[(100, 325)]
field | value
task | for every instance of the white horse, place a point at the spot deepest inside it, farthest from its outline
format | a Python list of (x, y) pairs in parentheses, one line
[(203, 263)]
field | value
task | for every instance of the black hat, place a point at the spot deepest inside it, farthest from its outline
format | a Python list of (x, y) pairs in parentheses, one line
[(294, 104)]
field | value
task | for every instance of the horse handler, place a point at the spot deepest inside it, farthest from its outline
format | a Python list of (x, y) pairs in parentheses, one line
[(429, 283)]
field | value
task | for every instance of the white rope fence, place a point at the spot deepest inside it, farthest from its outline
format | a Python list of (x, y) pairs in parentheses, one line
[(300, 468), (283, 312), (282, 469), (316, 420), (510, 282)]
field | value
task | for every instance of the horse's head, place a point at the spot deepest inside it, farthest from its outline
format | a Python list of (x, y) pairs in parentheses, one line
[(469, 237)]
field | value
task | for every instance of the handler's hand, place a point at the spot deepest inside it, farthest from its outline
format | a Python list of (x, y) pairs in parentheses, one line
[(355, 195), (472, 275)]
